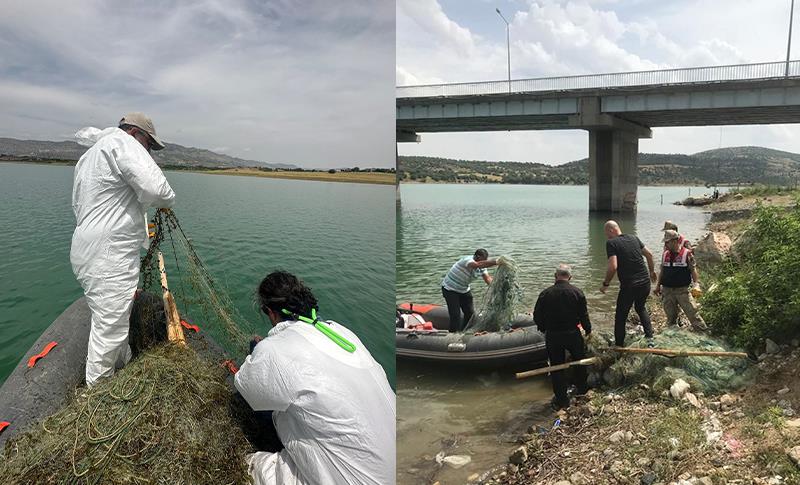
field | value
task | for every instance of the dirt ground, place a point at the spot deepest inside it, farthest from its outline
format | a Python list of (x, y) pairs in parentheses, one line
[(641, 436)]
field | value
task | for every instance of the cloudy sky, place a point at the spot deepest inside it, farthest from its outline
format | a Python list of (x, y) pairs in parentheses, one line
[(465, 40), (309, 83)]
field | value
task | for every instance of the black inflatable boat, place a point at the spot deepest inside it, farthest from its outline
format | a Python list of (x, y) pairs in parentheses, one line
[(48, 373), (521, 345)]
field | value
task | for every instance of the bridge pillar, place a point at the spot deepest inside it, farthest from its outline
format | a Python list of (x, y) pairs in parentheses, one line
[(613, 170)]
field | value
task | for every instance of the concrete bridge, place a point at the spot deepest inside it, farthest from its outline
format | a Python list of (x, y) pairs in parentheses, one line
[(616, 109)]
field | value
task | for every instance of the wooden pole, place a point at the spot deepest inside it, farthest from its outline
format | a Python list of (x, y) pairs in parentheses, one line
[(174, 330), (680, 353), (545, 370)]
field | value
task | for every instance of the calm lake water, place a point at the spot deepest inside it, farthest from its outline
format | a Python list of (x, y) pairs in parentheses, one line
[(539, 226), (338, 237)]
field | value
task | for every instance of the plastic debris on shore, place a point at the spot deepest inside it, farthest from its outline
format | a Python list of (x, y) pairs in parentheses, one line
[(711, 375), (497, 307)]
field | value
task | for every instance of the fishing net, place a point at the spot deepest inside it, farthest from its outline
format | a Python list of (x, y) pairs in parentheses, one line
[(711, 375), (194, 289), (169, 416), (497, 307), (164, 418)]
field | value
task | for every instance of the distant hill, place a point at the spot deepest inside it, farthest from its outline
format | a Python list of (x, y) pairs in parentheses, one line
[(721, 166), (173, 155)]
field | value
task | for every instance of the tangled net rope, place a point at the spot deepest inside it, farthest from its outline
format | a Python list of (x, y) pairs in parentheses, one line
[(204, 300), (168, 416), (164, 418), (708, 374), (500, 300)]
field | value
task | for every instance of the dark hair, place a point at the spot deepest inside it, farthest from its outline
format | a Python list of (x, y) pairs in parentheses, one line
[(282, 290), (481, 253)]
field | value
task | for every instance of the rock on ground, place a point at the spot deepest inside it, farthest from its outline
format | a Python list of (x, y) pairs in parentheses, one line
[(714, 247), (456, 461), (519, 456), (794, 454)]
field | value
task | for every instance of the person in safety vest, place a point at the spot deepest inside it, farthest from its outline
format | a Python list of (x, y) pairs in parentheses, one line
[(682, 241), (677, 277), (115, 181), (332, 406), (456, 288)]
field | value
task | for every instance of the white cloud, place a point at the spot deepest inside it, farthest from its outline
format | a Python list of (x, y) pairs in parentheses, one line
[(568, 37), (310, 83)]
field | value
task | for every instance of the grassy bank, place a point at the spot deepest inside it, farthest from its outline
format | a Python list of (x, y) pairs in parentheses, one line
[(361, 177), (637, 435), (381, 178)]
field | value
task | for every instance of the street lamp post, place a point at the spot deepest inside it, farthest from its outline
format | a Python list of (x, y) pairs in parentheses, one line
[(508, 45), (789, 45)]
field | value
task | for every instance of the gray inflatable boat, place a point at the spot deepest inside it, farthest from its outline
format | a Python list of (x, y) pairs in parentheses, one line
[(32, 393), (521, 345)]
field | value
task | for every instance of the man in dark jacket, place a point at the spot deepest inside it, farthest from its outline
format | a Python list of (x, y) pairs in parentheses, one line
[(558, 312)]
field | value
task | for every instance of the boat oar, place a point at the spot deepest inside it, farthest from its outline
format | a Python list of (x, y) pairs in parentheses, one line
[(545, 370), (680, 353), (174, 330)]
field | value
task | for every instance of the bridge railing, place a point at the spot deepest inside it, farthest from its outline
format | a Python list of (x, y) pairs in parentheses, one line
[(740, 72)]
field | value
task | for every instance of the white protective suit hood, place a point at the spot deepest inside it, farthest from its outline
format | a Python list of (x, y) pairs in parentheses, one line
[(334, 410), (115, 181)]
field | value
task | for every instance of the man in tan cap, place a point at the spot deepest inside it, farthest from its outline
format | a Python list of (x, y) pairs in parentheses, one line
[(670, 226), (115, 181), (678, 274)]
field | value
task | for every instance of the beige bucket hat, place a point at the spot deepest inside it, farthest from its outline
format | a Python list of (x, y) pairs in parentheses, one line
[(669, 235), (669, 225), (140, 120)]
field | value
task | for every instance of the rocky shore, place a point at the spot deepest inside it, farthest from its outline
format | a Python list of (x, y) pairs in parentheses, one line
[(679, 436)]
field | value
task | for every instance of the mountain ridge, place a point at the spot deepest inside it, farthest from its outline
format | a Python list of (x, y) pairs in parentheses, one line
[(730, 165), (173, 155)]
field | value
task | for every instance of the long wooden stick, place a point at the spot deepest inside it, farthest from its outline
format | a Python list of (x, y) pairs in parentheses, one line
[(680, 353), (174, 330), (545, 370)]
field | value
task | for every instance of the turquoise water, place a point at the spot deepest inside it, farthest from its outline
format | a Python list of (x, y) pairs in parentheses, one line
[(477, 413), (338, 237)]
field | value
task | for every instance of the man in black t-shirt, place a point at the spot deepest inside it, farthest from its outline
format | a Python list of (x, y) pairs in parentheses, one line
[(624, 253)]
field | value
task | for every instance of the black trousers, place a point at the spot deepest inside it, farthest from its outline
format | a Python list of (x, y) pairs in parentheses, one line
[(635, 296), (456, 304), (557, 345)]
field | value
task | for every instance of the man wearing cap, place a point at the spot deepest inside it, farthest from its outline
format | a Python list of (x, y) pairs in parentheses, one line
[(558, 312), (678, 274), (115, 181), (670, 226)]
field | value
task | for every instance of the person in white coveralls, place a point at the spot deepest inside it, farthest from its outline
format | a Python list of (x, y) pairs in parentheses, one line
[(331, 403), (116, 180)]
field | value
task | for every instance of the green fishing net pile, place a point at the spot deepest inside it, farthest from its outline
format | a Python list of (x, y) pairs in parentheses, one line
[(169, 416), (497, 308), (164, 418), (712, 375)]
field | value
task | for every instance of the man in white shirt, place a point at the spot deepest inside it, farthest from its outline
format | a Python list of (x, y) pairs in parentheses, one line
[(456, 286)]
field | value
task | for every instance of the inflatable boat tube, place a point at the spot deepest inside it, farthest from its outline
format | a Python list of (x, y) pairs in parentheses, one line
[(438, 315), (524, 345), (32, 393)]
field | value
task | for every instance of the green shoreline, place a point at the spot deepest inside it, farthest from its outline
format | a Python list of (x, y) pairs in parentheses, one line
[(362, 177)]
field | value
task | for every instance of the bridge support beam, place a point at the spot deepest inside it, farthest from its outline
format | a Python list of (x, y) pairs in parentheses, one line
[(613, 170)]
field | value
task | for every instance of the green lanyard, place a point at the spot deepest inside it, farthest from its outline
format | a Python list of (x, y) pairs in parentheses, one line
[(329, 332)]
